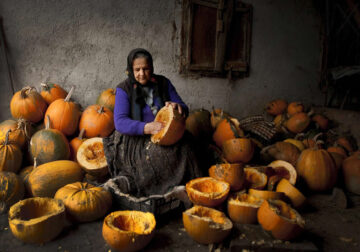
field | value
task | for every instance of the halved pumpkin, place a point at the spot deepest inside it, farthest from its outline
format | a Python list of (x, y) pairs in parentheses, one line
[(264, 194), (91, 157), (37, 220), (296, 197), (255, 178), (207, 191), (281, 169), (174, 126), (243, 207), (206, 225), (231, 173), (128, 230), (284, 222)]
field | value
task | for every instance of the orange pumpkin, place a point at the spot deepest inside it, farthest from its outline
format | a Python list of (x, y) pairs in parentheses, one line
[(298, 122), (10, 155), (174, 126), (98, 121), (296, 197), (64, 115), (51, 92), (337, 149), (284, 222), (242, 207), (11, 189), (216, 116), (281, 151), (84, 202), (238, 150), (265, 194), (107, 98), (206, 225), (21, 131), (294, 108), (198, 124), (230, 173), (351, 172), (28, 104), (318, 169), (321, 121), (49, 145), (207, 191), (346, 143), (276, 107), (254, 178), (75, 144), (225, 130)]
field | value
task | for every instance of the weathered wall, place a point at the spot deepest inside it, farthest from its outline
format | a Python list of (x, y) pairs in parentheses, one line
[(85, 43)]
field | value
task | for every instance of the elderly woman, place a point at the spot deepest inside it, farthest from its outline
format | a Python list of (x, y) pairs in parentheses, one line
[(141, 167)]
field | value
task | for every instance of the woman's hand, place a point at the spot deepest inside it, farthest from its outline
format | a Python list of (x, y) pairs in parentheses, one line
[(174, 105), (153, 128)]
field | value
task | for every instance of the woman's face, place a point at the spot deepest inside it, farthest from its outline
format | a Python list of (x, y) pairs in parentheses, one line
[(142, 70)]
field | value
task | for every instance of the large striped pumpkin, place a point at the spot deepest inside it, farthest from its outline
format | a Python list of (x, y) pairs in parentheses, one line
[(49, 145), (64, 115), (11, 189), (10, 155), (28, 104)]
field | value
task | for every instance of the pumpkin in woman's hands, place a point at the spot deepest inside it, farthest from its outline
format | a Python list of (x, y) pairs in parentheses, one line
[(28, 104)]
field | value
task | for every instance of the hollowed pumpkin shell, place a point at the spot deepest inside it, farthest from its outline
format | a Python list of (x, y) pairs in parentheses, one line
[(242, 207), (263, 194), (84, 202), (37, 220), (207, 191), (128, 230), (283, 169), (238, 150), (254, 178), (284, 222), (91, 157), (174, 126), (296, 197), (206, 225), (230, 173), (11, 189)]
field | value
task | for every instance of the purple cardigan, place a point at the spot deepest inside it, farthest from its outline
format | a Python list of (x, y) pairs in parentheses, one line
[(123, 122)]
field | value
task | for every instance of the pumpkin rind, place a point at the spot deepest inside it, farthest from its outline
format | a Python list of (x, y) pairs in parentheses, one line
[(317, 168), (242, 207), (128, 230), (230, 173), (84, 202), (47, 178), (28, 104), (37, 220), (98, 121), (264, 194), (206, 225), (255, 178), (11, 188), (174, 126), (284, 222), (207, 191), (296, 197)]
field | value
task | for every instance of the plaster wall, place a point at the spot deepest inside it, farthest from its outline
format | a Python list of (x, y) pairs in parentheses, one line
[(84, 43)]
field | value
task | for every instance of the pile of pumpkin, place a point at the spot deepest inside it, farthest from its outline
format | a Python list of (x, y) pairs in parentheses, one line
[(267, 194)]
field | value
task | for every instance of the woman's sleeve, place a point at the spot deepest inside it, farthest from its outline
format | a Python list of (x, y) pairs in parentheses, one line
[(174, 97), (123, 123)]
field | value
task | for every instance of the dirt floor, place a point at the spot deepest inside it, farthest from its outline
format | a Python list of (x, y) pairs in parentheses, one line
[(332, 224)]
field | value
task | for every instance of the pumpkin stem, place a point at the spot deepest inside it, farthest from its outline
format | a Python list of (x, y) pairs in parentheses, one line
[(45, 86), (67, 98), (311, 112), (23, 92), (35, 162), (101, 110), (47, 125), (114, 91), (7, 137), (23, 124), (81, 134), (299, 135), (315, 138)]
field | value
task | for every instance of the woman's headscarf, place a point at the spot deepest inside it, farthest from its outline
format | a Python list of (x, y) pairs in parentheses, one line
[(130, 59)]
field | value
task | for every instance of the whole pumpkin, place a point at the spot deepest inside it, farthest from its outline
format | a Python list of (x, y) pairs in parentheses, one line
[(28, 104), (107, 98), (230, 173), (238, 150), (317, 168), (298, 122), (216, 116), (21, 131), (11, 189), (321, 121), (199, 125), (276, 107), (294, 108), (51, 92), (225, 130), (64, 115), (75, 144), (49, 145), (10, 155), (351, 172), (84, 202), (98, 121)]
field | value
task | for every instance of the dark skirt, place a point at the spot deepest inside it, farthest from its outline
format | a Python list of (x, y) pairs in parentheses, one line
[(147, 168)]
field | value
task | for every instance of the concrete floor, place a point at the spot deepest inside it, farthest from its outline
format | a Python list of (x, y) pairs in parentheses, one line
[(329, 227)]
